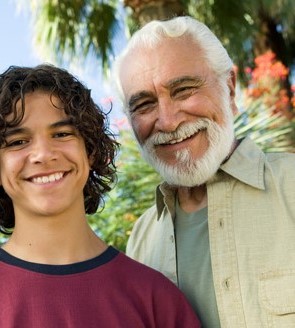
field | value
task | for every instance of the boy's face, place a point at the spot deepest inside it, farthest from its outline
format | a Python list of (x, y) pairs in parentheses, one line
[(44, 166)]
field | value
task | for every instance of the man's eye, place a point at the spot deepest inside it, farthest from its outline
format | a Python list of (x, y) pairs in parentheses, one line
[(146, 105), (184, 91)]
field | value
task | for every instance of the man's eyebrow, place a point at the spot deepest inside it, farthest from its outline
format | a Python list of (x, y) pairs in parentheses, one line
[(197, 80), (137, 96)]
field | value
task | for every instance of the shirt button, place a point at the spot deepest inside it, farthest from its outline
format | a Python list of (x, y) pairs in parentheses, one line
[(227, 284), (221, 223), (172, 239)]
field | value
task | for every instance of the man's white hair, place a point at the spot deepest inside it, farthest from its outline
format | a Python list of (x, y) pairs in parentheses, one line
[(151, 34)]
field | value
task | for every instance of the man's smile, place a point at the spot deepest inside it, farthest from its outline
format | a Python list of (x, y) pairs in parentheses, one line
[(162, 139)]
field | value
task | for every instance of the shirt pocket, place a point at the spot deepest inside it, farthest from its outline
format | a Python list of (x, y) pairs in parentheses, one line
[(277, 298)]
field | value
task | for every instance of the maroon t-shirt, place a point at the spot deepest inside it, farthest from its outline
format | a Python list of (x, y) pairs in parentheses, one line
[(110, 290)]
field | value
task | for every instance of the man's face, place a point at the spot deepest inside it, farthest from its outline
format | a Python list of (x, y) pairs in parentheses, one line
[(44, 165), (180, 113)]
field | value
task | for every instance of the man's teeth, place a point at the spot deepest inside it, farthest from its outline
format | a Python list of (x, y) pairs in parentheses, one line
[(174, 141), (171, 142), (48, 178)]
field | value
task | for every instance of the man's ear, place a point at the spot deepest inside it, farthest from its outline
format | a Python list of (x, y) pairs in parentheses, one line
[(231, 82)]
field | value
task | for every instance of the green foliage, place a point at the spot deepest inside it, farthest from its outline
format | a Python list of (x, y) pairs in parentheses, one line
[(133, 194), (76, 28), (249, 28), (272, 132), (228, 20)]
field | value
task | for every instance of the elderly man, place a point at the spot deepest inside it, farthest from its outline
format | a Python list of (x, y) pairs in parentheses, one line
[(223, 226)]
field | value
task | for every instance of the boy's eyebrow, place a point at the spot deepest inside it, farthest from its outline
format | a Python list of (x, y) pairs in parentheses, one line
[(19, 130), (67, 121), (12, 131)]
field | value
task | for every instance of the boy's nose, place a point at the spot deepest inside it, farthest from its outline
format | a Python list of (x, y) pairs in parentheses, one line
[(42, 151)]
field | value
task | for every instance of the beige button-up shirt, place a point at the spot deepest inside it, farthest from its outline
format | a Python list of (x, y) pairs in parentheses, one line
[(251, 219)]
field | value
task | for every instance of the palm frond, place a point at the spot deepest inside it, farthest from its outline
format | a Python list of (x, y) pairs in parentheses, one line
[(272, 132)]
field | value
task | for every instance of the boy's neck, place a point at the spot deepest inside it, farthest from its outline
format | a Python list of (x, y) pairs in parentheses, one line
[(55, 243)]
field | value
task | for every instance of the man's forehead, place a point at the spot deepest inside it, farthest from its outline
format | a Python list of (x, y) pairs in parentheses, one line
[(162, 62)]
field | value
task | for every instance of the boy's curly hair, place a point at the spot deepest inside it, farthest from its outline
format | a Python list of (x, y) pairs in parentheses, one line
[(85, 115)]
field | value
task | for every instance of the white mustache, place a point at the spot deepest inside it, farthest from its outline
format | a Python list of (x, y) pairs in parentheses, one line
[(183, 132)]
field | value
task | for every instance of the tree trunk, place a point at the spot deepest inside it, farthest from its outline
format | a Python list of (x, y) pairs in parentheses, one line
[(270, 38), (144, 11)]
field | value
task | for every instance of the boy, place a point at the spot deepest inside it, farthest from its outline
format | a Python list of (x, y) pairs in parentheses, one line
[(56, 162)]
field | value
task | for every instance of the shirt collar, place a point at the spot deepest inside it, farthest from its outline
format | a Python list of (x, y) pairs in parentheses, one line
[(246, 164), (165, 196)]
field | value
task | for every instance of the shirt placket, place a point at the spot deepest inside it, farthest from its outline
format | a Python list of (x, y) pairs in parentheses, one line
[(223, 255)]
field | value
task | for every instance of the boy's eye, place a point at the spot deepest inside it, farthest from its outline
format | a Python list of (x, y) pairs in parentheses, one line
[(15, 143), (62, 134), (65, 133)]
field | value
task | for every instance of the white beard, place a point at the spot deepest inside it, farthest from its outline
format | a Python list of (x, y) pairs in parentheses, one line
[(189, 172)]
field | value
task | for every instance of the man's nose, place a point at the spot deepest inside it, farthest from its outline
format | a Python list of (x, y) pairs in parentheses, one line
[(169, 115), (42, 151)]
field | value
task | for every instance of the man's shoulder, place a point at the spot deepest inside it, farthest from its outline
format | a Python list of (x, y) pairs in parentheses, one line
[(249, 163), (148, 217), (277, 158), (283, 163), (144, 232), (281, 157)]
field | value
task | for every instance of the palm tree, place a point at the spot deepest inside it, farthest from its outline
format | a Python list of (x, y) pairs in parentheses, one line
[(247, 28), (144, 11)]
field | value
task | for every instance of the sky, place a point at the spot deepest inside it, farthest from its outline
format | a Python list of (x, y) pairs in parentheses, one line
[(16, 35)]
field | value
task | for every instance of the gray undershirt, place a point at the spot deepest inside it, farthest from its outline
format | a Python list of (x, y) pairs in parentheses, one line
[(194, 264)]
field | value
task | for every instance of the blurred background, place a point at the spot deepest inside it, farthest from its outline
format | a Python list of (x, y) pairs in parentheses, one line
[(84, 36)]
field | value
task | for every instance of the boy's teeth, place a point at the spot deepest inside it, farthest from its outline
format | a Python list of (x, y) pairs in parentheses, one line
[(48, 178)]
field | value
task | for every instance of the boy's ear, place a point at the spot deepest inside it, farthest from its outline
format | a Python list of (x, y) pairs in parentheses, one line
[(90, 160)]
